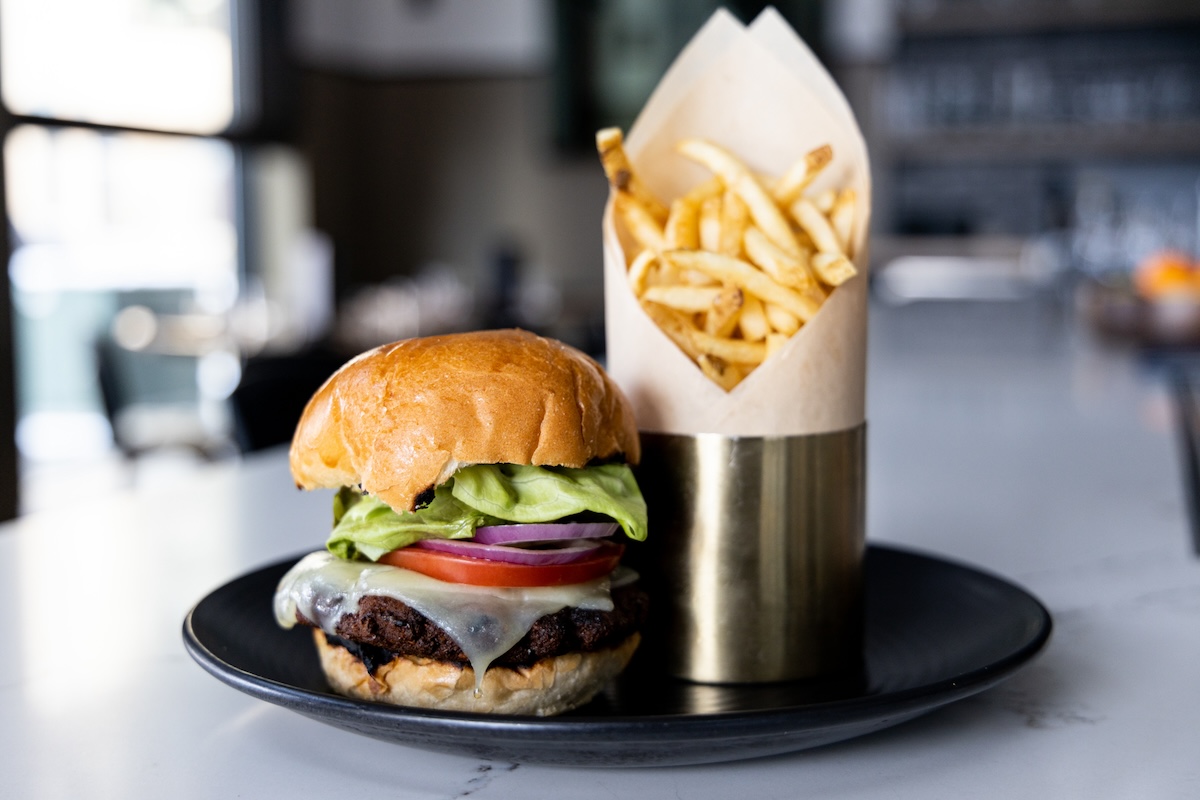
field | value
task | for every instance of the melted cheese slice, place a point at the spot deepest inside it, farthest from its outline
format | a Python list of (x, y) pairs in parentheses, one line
[(485, 621)]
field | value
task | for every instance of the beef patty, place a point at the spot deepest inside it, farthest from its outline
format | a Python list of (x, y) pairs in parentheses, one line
[(384, 628)]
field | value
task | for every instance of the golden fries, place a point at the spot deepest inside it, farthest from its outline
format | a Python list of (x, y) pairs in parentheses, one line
[(782, 321), (727, 349), (683, 226), (825, 200), (675, 326), (735, 267), (722, 318), (816, 225), (753, 320), (841, 219), (801, 174), (610, 143), (640, 223), (683, 298), (710, 188), (784, 268), (639, 269), (710, 224), (734, 217), (834, 268), (719, 371), (741, 180), (745, 276)]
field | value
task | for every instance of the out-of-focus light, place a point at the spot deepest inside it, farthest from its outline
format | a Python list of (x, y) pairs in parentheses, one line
[(63, 435), (911, 278), (218, 374), (135, 327), (217, 295), (132, 63)]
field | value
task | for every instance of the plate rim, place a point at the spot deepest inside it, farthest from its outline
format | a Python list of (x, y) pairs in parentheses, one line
[(905, 702)]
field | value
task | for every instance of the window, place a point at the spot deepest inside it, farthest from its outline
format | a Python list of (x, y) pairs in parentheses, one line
[(165, 65)]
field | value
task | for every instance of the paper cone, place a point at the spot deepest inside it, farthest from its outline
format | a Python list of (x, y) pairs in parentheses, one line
[(759, 92)]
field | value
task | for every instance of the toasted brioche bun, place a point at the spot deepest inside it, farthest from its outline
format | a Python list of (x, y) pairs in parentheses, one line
[(551, 686), (404, 417)]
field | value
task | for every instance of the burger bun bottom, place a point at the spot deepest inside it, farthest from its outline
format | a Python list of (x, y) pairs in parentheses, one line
[(551, 686)]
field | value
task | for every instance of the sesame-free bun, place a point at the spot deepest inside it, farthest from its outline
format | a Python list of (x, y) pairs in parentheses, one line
[(551, 686), (404, 417)]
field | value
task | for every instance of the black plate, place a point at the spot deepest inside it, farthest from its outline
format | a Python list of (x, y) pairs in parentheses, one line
[(935, 632)]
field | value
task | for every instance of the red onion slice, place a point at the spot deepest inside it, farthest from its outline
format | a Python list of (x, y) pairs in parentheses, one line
[(557, 553), (543, 532)]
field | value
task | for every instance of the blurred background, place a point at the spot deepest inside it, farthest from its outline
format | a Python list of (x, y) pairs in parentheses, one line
[(210, 204)]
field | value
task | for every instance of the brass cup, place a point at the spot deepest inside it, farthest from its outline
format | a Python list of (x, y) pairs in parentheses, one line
[(754, 560)]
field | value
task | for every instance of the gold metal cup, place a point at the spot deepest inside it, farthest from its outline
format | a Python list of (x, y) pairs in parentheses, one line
[(754, 560)]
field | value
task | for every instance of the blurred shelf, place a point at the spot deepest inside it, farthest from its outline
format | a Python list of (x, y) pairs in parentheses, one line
[(990, 17), (1048, 142)]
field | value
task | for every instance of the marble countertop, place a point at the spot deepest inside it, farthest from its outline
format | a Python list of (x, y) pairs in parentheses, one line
[(999, 436)]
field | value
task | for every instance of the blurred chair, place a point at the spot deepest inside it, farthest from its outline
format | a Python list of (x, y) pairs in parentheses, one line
[(271, 396), (152, 403)]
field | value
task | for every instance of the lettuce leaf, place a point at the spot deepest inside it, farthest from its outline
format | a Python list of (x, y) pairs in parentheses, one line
[(366, 526), (487, 494), (522, 493)]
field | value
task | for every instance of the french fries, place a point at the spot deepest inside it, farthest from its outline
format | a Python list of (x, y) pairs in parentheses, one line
[(719, 371), (734, 217), (710, 224), (783, 267), (746, 277), (816, 225), (640, 269), (640, 223), (834, 268), (825, 200), (722, 318), (729, 350), (841, 219), (683, 225), (683, 298), (675, 325), (610, 142), (734, 268), (782, 321), (739, 179), (801, 174), (753, 322)]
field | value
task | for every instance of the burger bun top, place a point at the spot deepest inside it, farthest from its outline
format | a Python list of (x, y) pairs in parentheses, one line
[(402, 418)]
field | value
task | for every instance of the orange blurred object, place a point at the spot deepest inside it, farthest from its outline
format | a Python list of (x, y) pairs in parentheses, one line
[(1166, 273)]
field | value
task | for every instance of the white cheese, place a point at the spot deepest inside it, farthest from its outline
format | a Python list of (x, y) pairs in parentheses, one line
[(485, 621)]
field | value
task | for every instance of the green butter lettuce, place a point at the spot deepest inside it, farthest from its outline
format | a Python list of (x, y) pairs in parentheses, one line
[(487, 494), (522, 493), (366, 526)]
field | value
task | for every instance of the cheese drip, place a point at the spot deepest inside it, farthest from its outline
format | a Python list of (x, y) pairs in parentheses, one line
[(485, 621)]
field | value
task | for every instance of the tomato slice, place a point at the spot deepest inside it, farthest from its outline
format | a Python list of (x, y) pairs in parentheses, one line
[(483, 572)]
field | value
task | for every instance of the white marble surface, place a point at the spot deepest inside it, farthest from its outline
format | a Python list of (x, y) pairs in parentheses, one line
[(997, 437)]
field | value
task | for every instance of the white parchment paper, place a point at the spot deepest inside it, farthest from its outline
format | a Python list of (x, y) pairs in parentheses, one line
[(759, 92)]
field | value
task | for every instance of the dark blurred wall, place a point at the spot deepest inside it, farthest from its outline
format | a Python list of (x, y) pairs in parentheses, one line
[(413, 172), (426, 160)]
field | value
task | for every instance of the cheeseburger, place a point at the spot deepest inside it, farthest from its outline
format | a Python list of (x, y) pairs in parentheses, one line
[(483, 494)]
